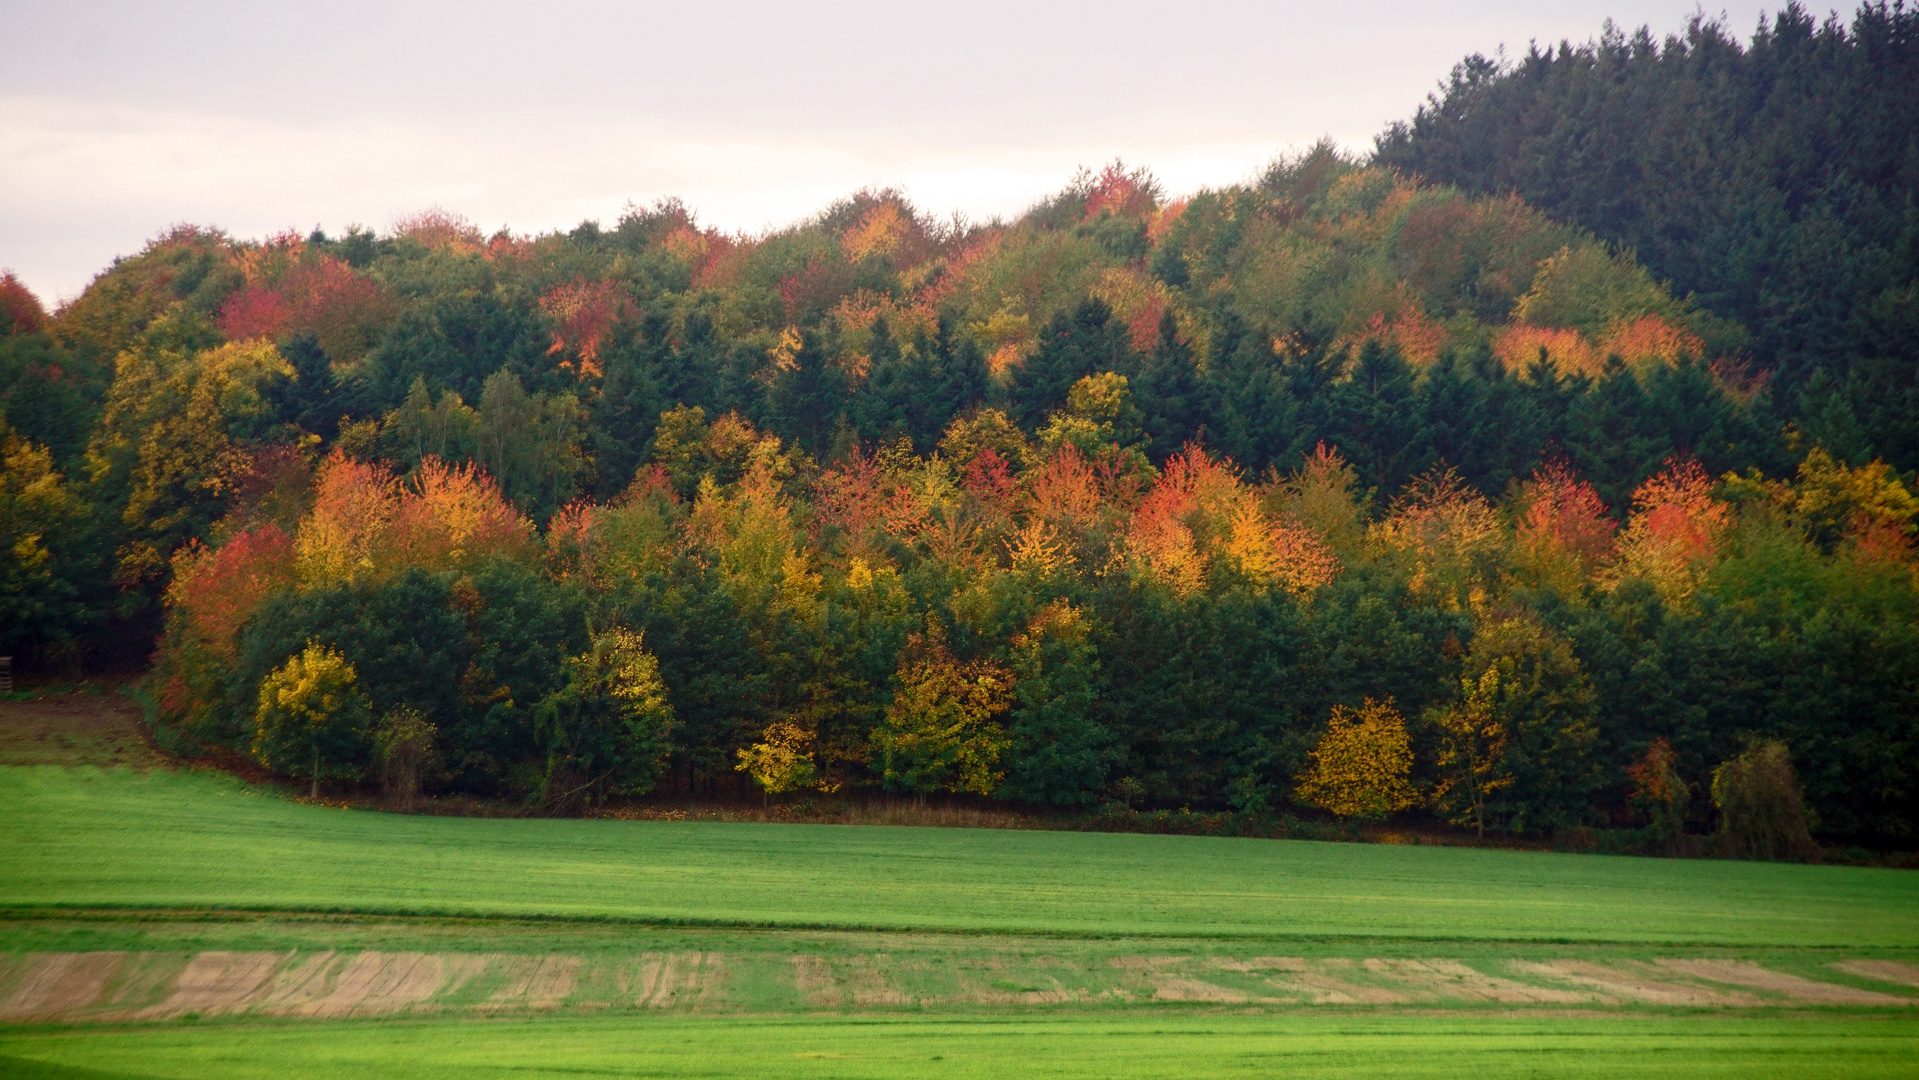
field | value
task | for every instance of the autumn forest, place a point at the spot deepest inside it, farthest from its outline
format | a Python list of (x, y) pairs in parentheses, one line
[(1549, 469)]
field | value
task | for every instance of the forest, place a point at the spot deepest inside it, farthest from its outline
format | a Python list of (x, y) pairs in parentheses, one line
[(1551, 468)]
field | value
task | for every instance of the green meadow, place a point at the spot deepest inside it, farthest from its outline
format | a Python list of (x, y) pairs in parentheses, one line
[(699, 949), (117, 839), (859, 1048)]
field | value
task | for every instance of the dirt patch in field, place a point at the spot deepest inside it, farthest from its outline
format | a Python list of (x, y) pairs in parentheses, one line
[(59, 983), (535, 982), (1326, 983), (305, 984), (75, 729), (664, 980), (1810, 991), (217, 983), (1450, 980), (1891, 971), (371, 984), (1167, 979), (1624, 984)]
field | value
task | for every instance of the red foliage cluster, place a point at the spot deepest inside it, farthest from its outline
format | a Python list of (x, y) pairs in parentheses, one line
[(20, 310), (1117, 193), (321, 296), (585, 312), (218, 589), (1677, 511), (850, 496), (1565, 513)]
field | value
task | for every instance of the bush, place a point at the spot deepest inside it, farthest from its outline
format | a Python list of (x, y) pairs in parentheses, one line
[(1359, 768), (1762, 814), (405, 744)]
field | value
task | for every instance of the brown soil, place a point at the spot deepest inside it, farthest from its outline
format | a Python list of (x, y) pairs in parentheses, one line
[(1450, 980), (373, 984), (217, 983), (71, 729), (58, 983), (1166, 980), (1891, 971), (1624, 984), (535, 982), (111, 986), (664, 980), (298, 988), (1740, 973), (1326, 984)]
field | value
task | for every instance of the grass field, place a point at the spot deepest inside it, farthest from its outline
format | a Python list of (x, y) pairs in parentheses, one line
[(103, 838), (1218, 1046), (162, 924)]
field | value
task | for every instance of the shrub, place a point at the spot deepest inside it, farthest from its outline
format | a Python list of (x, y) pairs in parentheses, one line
[(1658, 793), (405, 744), (1762, 814), (1359, 767)]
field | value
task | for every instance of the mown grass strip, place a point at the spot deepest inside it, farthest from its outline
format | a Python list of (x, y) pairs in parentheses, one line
[(855, 1048)]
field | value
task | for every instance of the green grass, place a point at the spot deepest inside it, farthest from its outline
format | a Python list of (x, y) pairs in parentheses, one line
[(92, 838), (845, 1048)]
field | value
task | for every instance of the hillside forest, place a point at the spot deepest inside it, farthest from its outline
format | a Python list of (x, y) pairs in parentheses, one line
[(1551, 468)]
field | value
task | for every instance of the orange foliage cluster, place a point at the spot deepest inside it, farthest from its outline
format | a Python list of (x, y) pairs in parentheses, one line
[(1418, 338), (1676, 528), (1064, 491), (1651, 339), (1198, 512), (441, 231), (584, 312), (366, 523), (1644, 341), (1164, 219), (850, 497)]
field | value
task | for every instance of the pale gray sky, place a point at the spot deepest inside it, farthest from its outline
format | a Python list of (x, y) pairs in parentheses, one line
[(118, 119)]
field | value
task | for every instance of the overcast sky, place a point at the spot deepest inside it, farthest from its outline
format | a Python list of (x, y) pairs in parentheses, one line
[(119, 119)]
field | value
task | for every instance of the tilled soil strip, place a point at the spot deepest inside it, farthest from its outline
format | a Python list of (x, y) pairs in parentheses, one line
[(120, 986)]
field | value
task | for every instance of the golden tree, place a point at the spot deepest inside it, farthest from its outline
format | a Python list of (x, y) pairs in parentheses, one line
[(942, 731), (1360, 766), (783, 760), (312, 717), (1472, 752)]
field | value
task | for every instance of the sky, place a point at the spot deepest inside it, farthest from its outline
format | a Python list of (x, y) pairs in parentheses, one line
[(120, 119)]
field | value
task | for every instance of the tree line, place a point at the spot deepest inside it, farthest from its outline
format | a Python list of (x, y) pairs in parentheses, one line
[(1338, 489)]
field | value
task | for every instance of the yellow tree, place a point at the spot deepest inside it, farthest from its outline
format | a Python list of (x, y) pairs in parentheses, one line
[(941, 732), (782, 761), (312, 717), (1360, 765), (1472, 752)]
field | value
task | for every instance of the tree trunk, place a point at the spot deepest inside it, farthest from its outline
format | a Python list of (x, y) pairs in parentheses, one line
[(315, 793)]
